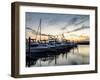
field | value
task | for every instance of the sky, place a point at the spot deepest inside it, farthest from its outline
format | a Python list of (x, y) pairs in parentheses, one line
[(56, 24)]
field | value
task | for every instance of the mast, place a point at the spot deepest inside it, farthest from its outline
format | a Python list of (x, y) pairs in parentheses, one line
[(39, 30)]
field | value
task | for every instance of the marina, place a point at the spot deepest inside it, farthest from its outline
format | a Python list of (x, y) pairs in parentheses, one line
[(71, 56), (64, 48)]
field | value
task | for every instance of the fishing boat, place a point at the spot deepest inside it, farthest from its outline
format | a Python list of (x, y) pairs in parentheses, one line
[(36, 47), (50, 46)]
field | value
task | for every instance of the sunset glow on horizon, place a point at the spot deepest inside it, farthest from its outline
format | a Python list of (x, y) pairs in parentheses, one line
[(73, 27)]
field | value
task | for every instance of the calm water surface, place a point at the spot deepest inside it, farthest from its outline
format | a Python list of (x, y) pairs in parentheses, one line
[(75, 56)]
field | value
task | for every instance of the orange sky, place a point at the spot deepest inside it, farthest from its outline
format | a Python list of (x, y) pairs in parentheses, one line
[(67, 36)]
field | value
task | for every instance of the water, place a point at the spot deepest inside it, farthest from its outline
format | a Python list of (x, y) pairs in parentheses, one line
[(75, 56)]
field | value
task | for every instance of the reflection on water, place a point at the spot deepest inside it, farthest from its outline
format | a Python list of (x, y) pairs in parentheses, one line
[(75, 56)]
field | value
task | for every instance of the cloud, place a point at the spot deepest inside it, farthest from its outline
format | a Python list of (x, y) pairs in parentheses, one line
[(75, 21), (77, 29), (55, 23), (82, 21), (33, 31), (71, 21)]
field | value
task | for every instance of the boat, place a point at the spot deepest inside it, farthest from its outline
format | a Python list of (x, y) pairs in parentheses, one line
[(59, 46), (36, 47), (54, 46)]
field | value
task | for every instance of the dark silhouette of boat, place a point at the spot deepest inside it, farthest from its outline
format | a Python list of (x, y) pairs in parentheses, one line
[(37, 49), (83, 42)]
